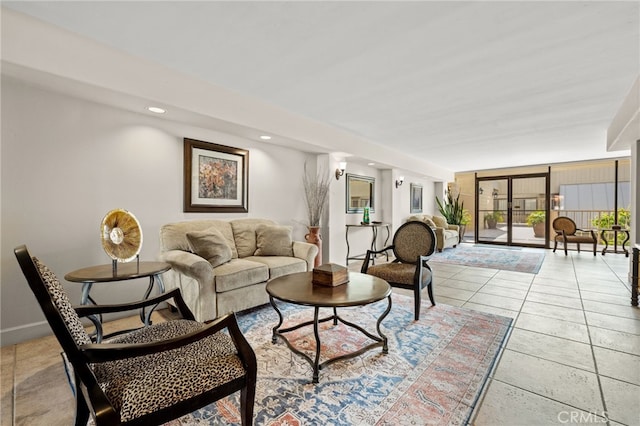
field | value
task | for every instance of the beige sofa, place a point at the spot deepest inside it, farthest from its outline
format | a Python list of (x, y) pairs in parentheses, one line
[(223, 266), (446, 235)]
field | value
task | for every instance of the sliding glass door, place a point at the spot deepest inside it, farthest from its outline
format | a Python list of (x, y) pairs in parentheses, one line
[(512, 210)]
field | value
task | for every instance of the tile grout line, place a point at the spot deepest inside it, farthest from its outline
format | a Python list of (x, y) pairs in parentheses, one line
[(593, 354)]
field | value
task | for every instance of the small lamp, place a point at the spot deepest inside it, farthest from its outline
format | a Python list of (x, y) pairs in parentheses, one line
[(399, 181), (340, 170)]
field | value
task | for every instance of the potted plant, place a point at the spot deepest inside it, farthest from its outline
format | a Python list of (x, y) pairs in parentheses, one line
[(452, 209), (537, 220), (608, 221), (492, 219), (316, 192)]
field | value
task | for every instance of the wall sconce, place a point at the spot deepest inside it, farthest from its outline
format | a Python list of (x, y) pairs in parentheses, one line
[(495, 193), (480, 191), (399, 181), (340, 170)]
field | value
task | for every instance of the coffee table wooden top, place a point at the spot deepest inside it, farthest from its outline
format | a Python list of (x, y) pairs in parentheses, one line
[(297, 288)]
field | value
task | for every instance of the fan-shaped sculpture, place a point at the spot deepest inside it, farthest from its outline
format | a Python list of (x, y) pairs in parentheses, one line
[(121, 235)]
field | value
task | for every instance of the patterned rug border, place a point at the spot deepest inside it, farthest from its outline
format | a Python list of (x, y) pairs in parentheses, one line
[(440, 374), (502, 258)]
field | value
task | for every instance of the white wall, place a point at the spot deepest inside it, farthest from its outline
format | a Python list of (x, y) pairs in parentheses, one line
[(67, 162), (393, 206)]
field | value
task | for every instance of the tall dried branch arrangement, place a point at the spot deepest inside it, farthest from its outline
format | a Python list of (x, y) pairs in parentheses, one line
[(316, 191)]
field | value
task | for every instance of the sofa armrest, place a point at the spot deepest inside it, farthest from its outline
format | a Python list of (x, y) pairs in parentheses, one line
[(454, 228), (439, 233), (189, 264), (306, 252)]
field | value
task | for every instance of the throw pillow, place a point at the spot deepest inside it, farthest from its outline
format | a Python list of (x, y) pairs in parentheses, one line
[(274, 240), (430, 223), (244, 235), (440, 222), (211, 245)]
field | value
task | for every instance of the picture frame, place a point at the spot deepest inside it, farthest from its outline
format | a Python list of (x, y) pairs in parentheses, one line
[(216, 178), (360, 193), (416, 198)]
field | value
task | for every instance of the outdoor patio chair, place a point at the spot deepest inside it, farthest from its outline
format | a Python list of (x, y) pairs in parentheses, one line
[(567, 232), (150, 375), (413, 243)]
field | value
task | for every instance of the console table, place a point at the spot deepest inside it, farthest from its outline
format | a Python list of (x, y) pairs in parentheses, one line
[(615, 240), (635, 276), (122, 272), (374, 230)]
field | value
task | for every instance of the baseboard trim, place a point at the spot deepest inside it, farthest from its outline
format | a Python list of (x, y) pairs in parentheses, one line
[(22, 333)]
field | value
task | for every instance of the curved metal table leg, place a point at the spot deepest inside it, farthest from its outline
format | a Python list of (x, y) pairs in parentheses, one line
[(378, 340), (385, 346), (316, 334), (281, 319), (606, 243), (346, 236), (374, 243), (95, 319), (626, 240)]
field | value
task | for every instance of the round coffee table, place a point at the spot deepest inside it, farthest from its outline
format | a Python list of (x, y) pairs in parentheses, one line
[(298, 289)]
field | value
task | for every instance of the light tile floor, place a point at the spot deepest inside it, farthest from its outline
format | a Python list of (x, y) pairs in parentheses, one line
[(573, 353), (572, 356)]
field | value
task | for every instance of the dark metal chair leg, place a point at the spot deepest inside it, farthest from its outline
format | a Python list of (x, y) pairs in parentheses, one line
[(430, 291), (416, 302)]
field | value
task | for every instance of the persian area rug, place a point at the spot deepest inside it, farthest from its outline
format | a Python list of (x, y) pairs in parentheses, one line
[(508, 259), (432, 375)]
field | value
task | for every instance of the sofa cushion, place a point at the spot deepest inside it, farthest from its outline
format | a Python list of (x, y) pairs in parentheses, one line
[(173, 236), (440, 222), (211, 245), (424, 218), (430, 223), (239, 273), (280, 265), (244, 234), (448, 233), (274, 240)]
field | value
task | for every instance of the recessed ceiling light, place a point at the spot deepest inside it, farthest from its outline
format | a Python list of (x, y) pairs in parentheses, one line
[(265, 137), (157, 110), (371, 164)]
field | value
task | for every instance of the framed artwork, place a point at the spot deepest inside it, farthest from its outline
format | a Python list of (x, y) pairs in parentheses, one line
[(416, 198), (360, 193), (216, 178)]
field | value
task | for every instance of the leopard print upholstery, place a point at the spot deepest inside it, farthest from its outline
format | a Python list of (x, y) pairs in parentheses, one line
[(145, 384), (62, 303), (142, 385)]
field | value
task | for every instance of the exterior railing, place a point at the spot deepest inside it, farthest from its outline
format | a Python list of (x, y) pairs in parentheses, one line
[(582, 218)]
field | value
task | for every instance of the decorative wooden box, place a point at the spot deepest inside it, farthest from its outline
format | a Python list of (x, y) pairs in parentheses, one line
[(330, 275)]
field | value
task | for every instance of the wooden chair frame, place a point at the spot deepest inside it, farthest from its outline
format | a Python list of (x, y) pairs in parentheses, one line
[(422, 267), (91, 400), (565, 229)]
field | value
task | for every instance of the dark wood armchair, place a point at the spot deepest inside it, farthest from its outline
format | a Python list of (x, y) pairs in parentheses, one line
[(413, 243), (150, 375), (567, 232)]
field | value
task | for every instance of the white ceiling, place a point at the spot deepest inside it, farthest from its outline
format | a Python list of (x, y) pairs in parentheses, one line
[(465, 85)]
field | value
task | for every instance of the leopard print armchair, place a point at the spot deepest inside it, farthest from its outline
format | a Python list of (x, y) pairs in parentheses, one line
[(150, 375)]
